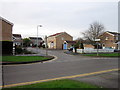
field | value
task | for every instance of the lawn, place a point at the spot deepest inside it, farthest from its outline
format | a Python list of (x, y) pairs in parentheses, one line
[(64, 83), (22, 58), (104, 54)]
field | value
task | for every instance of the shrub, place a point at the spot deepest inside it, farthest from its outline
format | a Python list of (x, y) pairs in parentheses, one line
[(18, 50)]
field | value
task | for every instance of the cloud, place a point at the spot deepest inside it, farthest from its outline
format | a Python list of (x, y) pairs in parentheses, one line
[(60, 1), (72, 17)]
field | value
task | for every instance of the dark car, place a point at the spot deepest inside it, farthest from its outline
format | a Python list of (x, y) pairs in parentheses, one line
[(116, 50), (70, 49)]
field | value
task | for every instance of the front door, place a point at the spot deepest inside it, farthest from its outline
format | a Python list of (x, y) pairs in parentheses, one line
[(64, 46)]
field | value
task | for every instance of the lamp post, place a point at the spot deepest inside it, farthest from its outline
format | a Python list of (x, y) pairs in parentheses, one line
[(46, 45), (97, 41), (37, 36)]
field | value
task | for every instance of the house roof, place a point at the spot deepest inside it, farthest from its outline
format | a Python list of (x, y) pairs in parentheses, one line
[(1, 18), (35, 38), (56, 34), (114, 33), (17, 35), (73, 42)]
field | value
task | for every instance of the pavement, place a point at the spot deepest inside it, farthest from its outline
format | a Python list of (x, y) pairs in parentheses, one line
[(64, 66), (104, 80)]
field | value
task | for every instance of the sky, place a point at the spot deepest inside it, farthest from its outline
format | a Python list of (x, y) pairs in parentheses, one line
[(71, 16)]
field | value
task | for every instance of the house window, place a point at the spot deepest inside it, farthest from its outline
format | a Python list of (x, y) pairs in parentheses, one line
[(106, 38), (52, 44), (116, 37), (62, 38)]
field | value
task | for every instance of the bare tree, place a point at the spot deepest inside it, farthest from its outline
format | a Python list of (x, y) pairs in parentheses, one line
[(94, 31)]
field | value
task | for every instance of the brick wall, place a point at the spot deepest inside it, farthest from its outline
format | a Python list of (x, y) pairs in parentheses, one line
[(6, 31)]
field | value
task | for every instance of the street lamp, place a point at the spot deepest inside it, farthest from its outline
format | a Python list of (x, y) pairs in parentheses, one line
[(46, 45), (97, 41), (37, 36)]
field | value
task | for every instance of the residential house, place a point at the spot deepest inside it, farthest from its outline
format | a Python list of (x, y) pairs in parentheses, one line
[(88, 46), (17, 40), (34, 41), (110, 40), (6, 36), (59, 40)]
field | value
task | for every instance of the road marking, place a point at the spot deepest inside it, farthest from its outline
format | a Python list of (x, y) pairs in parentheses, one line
[(65, 77), (52, 59)]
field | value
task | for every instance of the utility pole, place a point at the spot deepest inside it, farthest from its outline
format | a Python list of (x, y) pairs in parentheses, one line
[(97, 42), (37, 36), (46, 45)]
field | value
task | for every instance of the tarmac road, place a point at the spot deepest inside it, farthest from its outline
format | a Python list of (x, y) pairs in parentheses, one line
[(64, 65)]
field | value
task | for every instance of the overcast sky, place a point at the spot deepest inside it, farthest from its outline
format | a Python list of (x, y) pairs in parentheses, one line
[(71, 16)]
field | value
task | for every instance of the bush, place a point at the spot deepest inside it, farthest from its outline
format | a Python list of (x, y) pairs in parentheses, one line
[(18, 50), (43, 46)]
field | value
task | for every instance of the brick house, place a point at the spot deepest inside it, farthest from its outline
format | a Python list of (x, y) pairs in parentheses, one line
[(17, 39), (88, 46), (110, 39), (34, 41), (57, 41), (6, 36)]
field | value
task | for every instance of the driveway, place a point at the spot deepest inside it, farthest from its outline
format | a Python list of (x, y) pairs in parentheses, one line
[(64, 65)]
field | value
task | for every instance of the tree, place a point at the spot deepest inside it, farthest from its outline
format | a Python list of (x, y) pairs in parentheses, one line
[(82, 47), (94, 31), (26, 42)]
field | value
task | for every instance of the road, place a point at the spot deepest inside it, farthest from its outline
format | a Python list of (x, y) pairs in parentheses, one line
[(64, 65)]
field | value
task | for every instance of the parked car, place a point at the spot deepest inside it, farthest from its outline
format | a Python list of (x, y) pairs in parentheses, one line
[(70, 49), (116, 50)]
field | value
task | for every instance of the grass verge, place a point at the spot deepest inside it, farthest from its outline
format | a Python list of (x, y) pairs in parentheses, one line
[(104, 54), (22, 58), (64, 83)]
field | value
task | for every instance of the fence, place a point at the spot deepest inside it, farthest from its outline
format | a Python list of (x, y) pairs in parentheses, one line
[(94, 50)]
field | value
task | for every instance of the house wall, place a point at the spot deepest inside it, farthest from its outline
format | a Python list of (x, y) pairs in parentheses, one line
[(6, 37), (49, 40), (34, 41), (108, 40), (0, 39), (17, 40), (61, 38), (6, 31), (88, 46), (0, 30)]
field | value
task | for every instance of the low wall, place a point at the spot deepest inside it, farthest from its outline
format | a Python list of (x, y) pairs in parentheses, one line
[(94, 50)]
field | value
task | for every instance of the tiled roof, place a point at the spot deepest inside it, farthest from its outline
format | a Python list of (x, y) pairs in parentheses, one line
[(70, 41), (35, 38), (56, 34), (114, 33), (17, 35)]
